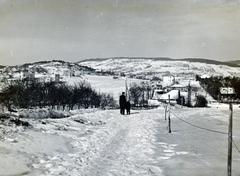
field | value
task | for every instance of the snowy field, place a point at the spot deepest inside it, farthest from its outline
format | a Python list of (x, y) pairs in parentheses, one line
[(107, 84), (104, 143)]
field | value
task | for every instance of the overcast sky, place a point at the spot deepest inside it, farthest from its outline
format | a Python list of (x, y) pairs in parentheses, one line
[(72, 30)]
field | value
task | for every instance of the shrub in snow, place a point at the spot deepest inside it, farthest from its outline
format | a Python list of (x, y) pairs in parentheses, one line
[(201, 101), (4, 116), (58, 114), (19, 122), (139, 94), (107, 100), (42, 114)]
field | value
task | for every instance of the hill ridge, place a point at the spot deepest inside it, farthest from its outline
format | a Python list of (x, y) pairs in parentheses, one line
[(233, 63), (201, 60)]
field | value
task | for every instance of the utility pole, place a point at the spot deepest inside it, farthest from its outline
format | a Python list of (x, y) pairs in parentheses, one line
[(227, 91), (126, 90), (169, 119), (229, 165), (189, 104), (181, 102), (165, 111)]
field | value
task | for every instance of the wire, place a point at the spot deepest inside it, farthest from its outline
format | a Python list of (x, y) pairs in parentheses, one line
[(196, 126), (235, 145), (207, 129)]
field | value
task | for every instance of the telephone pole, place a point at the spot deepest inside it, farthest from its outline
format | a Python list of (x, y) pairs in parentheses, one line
[(227, 91), (165, 111), (229, 164), (126, 90), (189, 104), (169, 119)]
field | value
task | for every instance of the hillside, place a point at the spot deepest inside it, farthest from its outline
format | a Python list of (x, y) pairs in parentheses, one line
[(161, 66), (138, 67), (236, 62), (1, 66), (46, 68), (200, 60), (209, 61)]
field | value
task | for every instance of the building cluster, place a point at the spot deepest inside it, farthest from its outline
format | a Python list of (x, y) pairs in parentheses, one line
[(175, 88), (32, 75)]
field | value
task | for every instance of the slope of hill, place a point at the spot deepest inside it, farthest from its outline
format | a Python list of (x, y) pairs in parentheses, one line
[(236, 62), (45, 71), (200, 60), (47, 68), (209, 61), (156, 66)]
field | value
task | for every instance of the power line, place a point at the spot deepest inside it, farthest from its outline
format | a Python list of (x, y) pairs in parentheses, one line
[(230, 140), (207, 129), (196, 126)]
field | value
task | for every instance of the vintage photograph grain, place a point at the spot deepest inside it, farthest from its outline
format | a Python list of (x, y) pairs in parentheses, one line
[(119, 88)]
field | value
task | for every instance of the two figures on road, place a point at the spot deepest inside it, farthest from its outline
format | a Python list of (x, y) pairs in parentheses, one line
[(124, 104)]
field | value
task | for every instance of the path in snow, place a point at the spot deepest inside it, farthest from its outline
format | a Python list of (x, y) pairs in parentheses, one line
[(123, 145), (130, 150)]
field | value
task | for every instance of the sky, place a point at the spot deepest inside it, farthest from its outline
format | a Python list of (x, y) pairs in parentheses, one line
[(72, 30)]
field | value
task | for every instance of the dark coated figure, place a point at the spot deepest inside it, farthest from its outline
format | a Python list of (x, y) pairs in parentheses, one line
[(122, 103), (128, 107)]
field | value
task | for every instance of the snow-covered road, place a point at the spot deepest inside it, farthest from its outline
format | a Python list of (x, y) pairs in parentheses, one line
[(105, 143)]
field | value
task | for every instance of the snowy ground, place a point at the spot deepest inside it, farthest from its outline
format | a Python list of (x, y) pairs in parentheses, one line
[(96, 143), (109, 85)]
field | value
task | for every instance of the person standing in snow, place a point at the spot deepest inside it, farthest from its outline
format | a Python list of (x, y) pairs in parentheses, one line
[(122, 103), (128, 107)]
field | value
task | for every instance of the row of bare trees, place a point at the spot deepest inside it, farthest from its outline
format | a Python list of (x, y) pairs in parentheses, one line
[(26, 95), (139, 94), (213, 85)]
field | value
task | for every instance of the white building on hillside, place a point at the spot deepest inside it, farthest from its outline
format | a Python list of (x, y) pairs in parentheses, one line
[(168, 80)]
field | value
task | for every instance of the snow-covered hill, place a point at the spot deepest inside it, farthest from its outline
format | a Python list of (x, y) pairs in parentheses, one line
[(151, 66), (237, 62), (47, 67), (45, 71)]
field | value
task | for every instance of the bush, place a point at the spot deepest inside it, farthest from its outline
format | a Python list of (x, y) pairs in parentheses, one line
[(107, 101), (213, 84), (39, 95), (42, 114), (139, 94), (201, 101)]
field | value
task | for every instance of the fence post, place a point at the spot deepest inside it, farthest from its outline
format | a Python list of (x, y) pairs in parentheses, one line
[(181, 102), (169, 119), (165, 111)]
